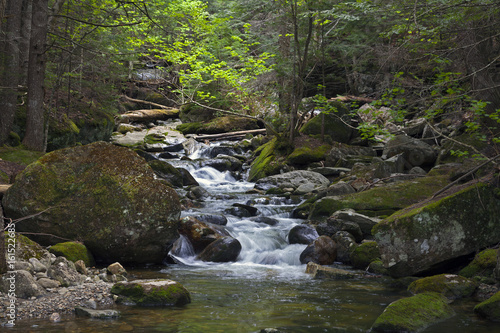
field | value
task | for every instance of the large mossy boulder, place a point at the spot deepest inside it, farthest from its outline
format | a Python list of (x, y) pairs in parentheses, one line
[(421, 239), (449, 285), (73, 251), (335, 124), (159, 292), (380, 201), (102, 195), (413, 314)]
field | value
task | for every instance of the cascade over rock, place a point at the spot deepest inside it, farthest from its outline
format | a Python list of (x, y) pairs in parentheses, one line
[(105, 196)]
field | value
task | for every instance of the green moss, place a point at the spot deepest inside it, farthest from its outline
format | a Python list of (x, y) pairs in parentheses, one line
[(364, 254), (450, 286), (380, 201), (413, 313), (268, 162), (154, 138), (189, 128), (73, 252), (19, 155), (489, 309), (151, 294), (483, 264), (307, 155)]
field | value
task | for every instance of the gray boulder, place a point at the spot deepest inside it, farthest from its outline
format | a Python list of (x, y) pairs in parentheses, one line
[(293, 180), (22, 283), (424, 238), (200, 234), (415, 152), (64, 271)]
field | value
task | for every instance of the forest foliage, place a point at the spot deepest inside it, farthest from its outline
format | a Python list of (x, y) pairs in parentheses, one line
[(434, 59)]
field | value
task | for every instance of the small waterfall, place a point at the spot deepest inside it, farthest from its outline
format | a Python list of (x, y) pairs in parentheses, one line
[(264, 245)]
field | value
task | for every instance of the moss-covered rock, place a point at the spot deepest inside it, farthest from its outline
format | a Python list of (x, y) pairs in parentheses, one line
[(73, 251), (419, 239), (268, 161), (413, 314), (26, 248), (189, 128), (192, 113), (102, 195), (159, 292), (380, 201), (364, 254), (336, 128), (306, 155), (449, 285), (483, 264), (489, 309)]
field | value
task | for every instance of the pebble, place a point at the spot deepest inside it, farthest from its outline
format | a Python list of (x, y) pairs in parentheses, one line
[(60, 301)]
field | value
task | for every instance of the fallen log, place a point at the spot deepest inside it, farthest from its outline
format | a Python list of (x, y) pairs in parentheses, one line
[(145, 116), (228, 135), (145, 102), (350, 98)]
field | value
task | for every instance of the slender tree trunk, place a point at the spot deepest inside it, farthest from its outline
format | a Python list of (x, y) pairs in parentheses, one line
[(25, 40), (35, 118), (3, 261), (11, 70)]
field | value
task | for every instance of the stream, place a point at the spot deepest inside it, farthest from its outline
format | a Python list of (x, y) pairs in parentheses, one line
[(267, 286)]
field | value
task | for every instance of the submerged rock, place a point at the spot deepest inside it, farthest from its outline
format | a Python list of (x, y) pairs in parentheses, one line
[(413, 314), (159, 292), (322, 272), (103, 195), (419, 240), (96, 314)]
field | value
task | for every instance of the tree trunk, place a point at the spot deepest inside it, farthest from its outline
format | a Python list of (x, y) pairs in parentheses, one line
[(3, 261), (10, 76), (35, 118)]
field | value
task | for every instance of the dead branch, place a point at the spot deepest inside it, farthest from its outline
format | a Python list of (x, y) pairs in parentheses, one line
[(146, 102)]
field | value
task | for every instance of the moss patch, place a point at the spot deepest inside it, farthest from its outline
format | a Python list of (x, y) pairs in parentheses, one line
[(413, 313), (483, 264), (306, 155), (449, 285), (73, 251), (489, 309), (267, 163), (382, 200), (152, 293), (364, 254), (19, 155)]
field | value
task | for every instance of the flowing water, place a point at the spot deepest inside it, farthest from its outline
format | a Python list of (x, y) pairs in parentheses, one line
[(266, 288)]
